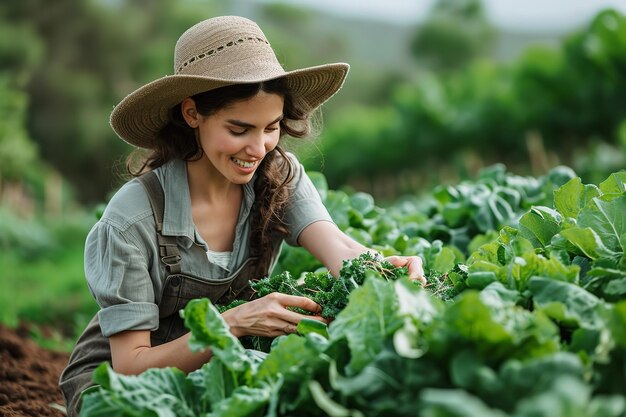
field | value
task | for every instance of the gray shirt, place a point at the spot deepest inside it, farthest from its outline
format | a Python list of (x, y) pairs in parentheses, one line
[(122, 264)]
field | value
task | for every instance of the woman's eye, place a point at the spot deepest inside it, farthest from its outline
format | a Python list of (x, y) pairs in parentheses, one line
[(271, 129), (237, 132)]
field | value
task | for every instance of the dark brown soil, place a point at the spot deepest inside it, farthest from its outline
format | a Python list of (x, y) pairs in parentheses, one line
[(29, 376)]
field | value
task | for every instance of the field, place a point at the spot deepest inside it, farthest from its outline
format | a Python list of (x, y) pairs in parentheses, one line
[(523, 315), (524, 309)]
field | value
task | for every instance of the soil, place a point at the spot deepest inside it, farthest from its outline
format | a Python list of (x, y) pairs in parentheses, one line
[(29, 376)]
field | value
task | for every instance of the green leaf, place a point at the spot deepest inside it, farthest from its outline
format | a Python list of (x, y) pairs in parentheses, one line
[(455, 213), (328, 405), (614, 184), (444, 261), (388, 386), (367, 321), (209, 330), (214, 382), (567, 303), (293, 357), (497, 291), (401, 243), (539, 225), (454, 403), (416, 309), (245, 401), (510, 195), (605, 215), (560, 175), (501, 210), (296, 260), (492, 326), (570, 198), (616, 287), (617, 323), (567, 397), (338, 205), (306, 326), (524, 379), (495, 173), (319, 181), (469, 371), (362, 202), (532, 264), (567, 198), (480, 279), (481, 239), (360, 236), (588, 241), (164, 392), (471, 320)]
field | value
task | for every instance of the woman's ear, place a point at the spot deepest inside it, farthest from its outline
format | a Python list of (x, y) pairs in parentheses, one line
[(190, 114)]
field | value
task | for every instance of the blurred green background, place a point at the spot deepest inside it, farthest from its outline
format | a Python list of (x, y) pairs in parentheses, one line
[(426, 103)]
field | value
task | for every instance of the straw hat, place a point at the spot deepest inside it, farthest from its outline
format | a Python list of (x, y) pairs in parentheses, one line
[(215, 53)]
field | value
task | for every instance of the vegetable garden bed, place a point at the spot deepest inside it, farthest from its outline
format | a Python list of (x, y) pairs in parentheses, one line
[(524, 314)]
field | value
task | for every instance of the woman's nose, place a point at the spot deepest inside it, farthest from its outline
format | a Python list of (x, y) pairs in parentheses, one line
[(256, 147)]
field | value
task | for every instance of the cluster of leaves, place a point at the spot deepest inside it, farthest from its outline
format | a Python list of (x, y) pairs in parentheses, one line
[(536, 328), (580, 240), (329, 292)]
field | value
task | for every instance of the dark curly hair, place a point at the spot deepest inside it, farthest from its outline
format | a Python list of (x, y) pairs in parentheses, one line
[(177, 140)]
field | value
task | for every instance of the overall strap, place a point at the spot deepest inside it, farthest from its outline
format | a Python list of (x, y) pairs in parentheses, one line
[(168, 248)]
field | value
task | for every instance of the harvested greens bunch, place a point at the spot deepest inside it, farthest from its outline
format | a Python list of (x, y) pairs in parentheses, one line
[(329, 292)]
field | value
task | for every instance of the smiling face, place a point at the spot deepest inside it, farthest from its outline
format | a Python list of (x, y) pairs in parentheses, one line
[(236, 138)]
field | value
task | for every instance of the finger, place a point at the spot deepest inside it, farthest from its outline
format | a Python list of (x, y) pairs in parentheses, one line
[(414, 266), (416, 269), (297, 301), (398, 261), (317, 318)]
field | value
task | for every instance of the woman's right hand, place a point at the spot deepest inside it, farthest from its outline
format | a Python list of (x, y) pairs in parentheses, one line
[(269, 316)]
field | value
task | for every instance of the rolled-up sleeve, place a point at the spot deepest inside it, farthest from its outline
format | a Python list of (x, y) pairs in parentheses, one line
[(305, 206), (117, 275)]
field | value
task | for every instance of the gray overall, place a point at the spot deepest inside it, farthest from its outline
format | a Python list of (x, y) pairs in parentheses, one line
[(92, 348)]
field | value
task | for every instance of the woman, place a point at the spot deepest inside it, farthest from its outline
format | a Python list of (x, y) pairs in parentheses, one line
[(218, 199)]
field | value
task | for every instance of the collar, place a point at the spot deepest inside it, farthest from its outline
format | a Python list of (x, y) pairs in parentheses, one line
[(177, 217)]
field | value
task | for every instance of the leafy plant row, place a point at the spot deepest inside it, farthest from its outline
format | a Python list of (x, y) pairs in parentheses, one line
[(443, 227), (526, 320)]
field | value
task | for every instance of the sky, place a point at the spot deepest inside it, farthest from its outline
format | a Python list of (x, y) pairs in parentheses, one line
[(512, 14)]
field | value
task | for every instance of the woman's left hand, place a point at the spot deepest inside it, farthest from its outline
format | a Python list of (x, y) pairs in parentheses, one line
[(413, 264)]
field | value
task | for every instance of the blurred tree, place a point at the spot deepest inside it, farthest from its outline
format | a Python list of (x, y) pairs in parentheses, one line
[(577, 92), (93, 52), (20, 52), (455, 32), (547, 107), (17, 152)]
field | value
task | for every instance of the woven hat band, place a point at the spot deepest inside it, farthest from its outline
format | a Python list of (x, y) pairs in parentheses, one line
[(249, 59)]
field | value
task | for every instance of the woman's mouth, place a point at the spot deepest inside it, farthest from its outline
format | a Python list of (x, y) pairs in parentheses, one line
[(244, 164)]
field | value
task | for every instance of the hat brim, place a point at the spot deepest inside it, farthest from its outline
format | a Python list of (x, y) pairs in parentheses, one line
[(139, 116)]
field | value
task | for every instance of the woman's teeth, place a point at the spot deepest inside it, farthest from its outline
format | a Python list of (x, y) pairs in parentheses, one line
[(244, 164)]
